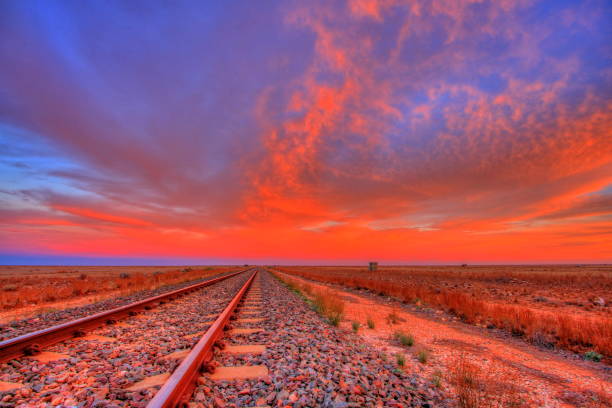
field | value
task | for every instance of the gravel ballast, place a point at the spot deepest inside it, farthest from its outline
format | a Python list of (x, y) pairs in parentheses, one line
[(311, 364)]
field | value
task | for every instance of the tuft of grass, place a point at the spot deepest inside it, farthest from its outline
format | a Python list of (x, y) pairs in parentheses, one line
[(468, 382), (356, 325), (371, 323), (327, 304), (406, 340), (593, 356), (400, 359), (436, 379), (475, 386), (334, 320), (423, 356)]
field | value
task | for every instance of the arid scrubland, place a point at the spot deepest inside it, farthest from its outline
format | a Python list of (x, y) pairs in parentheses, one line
[(27, 286), (552, 306)]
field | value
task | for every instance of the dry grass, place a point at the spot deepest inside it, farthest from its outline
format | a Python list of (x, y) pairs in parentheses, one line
[(324, 301), (575, 330), (586, 398), (589, 276), (483, 387), (491, 386), (423, 356), (329, 305), (21, 291), (404, 339)]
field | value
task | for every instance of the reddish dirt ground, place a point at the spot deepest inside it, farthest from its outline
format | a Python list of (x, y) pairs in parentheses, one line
[(544, 378)]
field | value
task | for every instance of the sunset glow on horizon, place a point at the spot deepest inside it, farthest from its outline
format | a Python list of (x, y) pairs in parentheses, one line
[(306, 132)]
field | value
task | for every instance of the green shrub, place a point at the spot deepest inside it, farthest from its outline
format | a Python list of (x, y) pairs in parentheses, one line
[(592, 356), (405, 340), (356, 326), (371, 324)]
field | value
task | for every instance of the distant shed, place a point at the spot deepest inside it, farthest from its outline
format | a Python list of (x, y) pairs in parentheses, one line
[(373, 266)]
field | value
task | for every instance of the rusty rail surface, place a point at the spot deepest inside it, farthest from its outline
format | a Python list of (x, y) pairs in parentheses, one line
[(34, 342), (177, 390)]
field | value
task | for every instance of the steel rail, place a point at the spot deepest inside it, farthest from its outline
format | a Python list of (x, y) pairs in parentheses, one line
[(34, 342), (177, 390)]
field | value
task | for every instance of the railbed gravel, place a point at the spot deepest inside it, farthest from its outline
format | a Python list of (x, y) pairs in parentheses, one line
[(311, 364), (98, 373), (44, 320)]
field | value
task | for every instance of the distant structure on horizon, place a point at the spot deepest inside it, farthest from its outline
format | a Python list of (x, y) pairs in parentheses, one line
[(373, 266)]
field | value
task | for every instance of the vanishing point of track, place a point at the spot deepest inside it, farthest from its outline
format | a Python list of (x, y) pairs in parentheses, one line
[(178, 388)]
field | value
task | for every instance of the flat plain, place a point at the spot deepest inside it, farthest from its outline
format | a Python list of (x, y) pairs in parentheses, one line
[(568, 306), (28, 290), (496, 335), (333, 336)]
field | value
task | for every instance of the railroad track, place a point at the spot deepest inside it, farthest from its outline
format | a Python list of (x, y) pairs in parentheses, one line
[(121, 354), (265, 347), (34, 342), (177, 390), (276, 351)]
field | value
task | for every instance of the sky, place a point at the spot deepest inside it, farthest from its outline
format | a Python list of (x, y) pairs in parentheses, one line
[(305, 132)]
